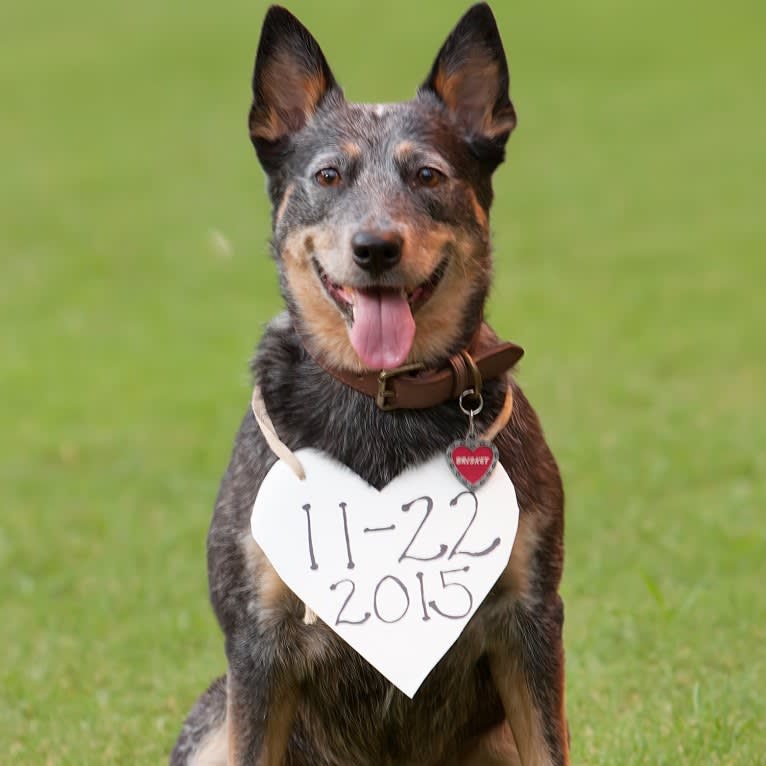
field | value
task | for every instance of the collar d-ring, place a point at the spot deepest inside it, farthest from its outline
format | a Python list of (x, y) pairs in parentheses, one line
[(474, 370)]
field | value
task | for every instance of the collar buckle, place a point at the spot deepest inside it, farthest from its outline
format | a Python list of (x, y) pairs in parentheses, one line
[(384, 392)]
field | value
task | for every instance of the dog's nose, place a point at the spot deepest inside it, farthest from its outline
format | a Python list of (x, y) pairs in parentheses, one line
[(376, 251)]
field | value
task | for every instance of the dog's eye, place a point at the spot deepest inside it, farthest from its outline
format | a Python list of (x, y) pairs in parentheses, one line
[(429, 177), (328, 177)]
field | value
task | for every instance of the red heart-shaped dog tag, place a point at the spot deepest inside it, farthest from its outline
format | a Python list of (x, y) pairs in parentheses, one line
[(472, 461)]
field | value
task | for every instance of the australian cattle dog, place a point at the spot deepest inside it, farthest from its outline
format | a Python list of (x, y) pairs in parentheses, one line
[(381, 238)]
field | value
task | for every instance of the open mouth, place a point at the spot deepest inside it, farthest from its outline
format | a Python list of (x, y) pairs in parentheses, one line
[(380, 319), (344, 296)]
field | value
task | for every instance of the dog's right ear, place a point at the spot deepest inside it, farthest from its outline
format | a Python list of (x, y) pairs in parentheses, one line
[(470, 78), (290, 81)]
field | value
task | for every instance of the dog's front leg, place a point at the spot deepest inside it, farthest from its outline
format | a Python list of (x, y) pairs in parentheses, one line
[(259, 717), (529, 676)]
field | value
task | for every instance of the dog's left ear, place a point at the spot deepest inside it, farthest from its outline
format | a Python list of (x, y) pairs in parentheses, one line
[(290, 81), (470, 77)]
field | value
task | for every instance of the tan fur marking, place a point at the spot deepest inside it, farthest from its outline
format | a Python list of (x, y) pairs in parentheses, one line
[(424, 248), (231, 728), (436, 326), (283, 204), (265, 124), (403, 148), (521, 712), (272, 591), (324, 322), (278, 727), (313, 90), (287, 89), (516, 575), (471, 84), (214, 750), (351, 149), (471, 90), (283, 703), (442, 87), (496, 748), (478, 211)]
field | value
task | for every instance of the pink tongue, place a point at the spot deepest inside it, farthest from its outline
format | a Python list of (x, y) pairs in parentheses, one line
[(383, 328)]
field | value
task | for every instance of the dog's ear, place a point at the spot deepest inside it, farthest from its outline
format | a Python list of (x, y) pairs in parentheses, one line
[(470, 77), (290, 81)]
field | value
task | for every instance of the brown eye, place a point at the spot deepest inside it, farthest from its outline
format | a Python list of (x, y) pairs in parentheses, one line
[(429, 177), (328, 177)]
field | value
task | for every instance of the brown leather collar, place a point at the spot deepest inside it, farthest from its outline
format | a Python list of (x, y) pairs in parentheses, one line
[(413, 387)]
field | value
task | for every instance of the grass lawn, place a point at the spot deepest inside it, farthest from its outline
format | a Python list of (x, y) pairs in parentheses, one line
[(134, 282)]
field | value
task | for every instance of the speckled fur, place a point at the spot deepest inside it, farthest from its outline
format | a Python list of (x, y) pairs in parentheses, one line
[(296, 694)]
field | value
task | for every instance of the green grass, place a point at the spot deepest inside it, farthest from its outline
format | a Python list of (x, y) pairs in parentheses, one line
[(631, 264)]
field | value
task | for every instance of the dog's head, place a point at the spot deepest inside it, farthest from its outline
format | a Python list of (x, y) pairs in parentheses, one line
[(381, 211)]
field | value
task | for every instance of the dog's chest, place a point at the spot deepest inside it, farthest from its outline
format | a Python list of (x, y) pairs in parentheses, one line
[(397, 573), (351, 711), (359, 717)]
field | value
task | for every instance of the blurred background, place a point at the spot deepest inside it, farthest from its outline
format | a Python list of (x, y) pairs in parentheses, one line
[(135, 281)]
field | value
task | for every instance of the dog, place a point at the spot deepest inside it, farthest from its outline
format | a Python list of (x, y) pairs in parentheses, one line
[(381, 237)]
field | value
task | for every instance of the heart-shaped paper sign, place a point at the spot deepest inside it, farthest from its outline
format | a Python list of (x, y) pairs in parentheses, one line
[(397, 573)]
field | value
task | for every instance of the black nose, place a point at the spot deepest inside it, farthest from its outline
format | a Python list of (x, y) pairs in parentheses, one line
[(376, 251)]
